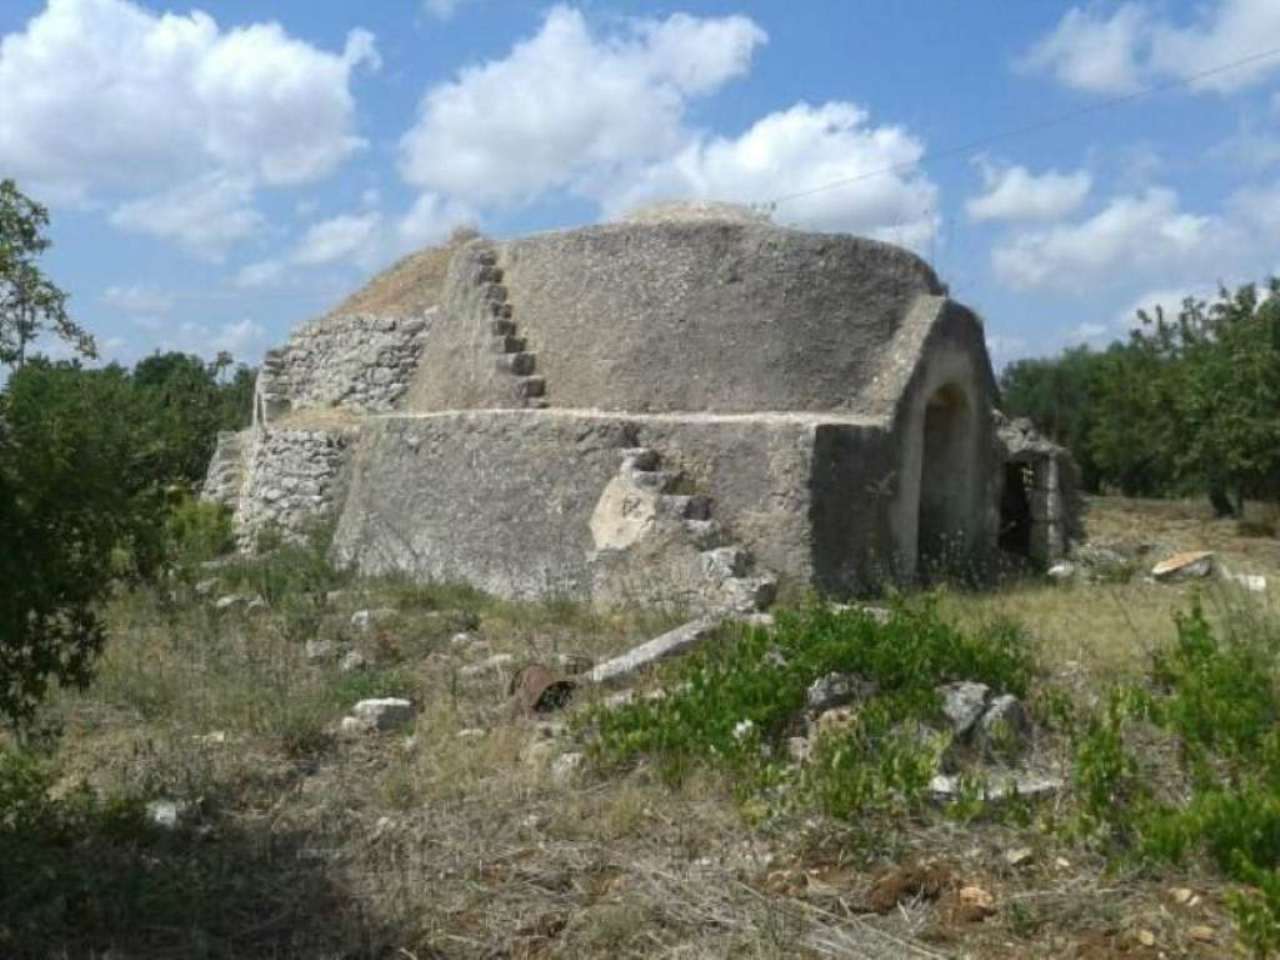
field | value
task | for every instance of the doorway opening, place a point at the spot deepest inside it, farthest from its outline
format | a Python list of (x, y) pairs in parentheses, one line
[(1015, 511), (946, 481)]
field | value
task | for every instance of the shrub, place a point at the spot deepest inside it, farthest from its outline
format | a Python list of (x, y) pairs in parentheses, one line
[(733, 702)]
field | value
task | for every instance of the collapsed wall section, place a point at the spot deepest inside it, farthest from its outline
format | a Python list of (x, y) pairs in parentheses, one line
[(1039, 500), (360, 362)]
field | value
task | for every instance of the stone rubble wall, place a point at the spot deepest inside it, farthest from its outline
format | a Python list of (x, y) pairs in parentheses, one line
[(360, 362), (225, 477), (1052, 486), (293, 479)]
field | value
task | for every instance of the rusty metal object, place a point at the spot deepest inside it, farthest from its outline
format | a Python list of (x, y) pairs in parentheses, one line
[(537, 689)]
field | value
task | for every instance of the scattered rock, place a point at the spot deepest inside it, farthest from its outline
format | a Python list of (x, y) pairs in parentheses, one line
[(215, 738), (838, 690), (835, 720), (946, 787), (573, 663), (1004, 728), (963, 703), (565, 766), (1182, 895), (499, 661), (351, 726), (205, 587), (462, 639), (367, 619), (799, 749), (1018, 856), (1201, 933), (167, 813), (1252, 582), (229, 602), (256, 605), (353, 660), (1184, 566), (669, 644), (471, 733), (320, 650), (384, 713), (1062, 570)]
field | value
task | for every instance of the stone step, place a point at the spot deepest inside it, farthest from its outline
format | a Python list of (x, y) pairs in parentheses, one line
[(494, 292), (490, 274), (536, 403), (696, 507), (502, 310), (660, 481), (726, 563), (501, 327), (640, 458), (705, 534), (487, 258), (521, 364), (508, 344), (527, 387), (751, 593)]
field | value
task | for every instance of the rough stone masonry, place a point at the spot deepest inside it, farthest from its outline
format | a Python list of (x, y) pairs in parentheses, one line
[(686, 407)]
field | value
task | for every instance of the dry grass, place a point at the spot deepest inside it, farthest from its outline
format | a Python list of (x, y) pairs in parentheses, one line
[(438, 843), (410, 286)]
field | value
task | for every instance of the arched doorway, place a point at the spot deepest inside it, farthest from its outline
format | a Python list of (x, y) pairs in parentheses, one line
[(947, 477)]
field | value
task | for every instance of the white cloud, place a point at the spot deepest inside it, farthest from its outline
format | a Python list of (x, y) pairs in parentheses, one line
[(1134, 46), (1169, 299), (238, 338), (431, 220), (570, 108), (1090, 52), (347, 236), (138, 299), (264, 273), (798, 150), (1132, 233), (1014, 193), (104, 94), (443, 9), (206, 216), (1259, 207)]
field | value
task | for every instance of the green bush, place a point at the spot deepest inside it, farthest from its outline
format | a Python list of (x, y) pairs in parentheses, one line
[(733, 703), (1214, 696), (197, 531)]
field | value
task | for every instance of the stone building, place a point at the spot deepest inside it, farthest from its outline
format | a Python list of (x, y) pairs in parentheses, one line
[(689, 406)]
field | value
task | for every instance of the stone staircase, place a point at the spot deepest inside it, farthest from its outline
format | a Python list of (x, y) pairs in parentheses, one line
[(727, 569), (512, 356), (227, 469)]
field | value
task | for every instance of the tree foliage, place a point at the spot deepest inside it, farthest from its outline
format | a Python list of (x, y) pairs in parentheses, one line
[(30, 304), (1190, 403)]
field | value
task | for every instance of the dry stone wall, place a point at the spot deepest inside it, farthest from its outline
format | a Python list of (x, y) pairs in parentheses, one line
[(293, 478), (361, 362)]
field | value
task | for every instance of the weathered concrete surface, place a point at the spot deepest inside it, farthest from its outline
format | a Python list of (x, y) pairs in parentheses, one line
[(672, 643), (506, 499), (717, 316)]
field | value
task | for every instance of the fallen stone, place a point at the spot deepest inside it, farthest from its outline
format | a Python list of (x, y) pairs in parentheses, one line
[(799, 749), (565, 766), (353, 661), (1004, 727), (463, 639), (1018, 856), (471, 733), (1062, 571), (167, 813), (230, 601), (573, 663), (1189, 565), (838, 690), (835, 720), (1252, 582), (215, 738), (205, 587), (316, 650), (497, 662), (385, 713), (945, 787), (367, 619), (963, 703), (670, 644)]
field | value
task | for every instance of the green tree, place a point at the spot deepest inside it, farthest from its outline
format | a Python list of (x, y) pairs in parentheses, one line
[(76, 494), (29, 303)]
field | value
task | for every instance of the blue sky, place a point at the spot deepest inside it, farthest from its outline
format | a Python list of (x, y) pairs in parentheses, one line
[(221, 172)]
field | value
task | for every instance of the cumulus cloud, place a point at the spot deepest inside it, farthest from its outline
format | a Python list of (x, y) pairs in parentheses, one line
[(443, 9), (1089, 50), (106, 93), (138, 298), (803, 149), (1014, 193), (345, 236), (263, 273), (205, 216), (1138, 232), (570, 107), (431, 220)]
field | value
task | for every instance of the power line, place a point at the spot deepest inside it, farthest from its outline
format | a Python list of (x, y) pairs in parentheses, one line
[(1034, 126)]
